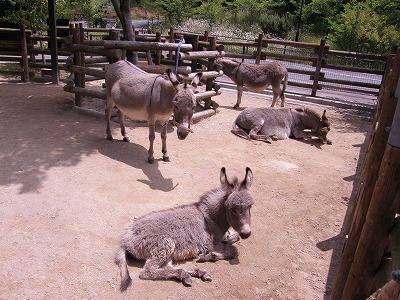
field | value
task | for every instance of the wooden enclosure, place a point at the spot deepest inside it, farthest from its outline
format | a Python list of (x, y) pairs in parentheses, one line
[(312, 61), (371, 249)]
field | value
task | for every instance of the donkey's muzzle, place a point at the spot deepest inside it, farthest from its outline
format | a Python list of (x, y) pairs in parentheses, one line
[(182, 134), (245, 235)]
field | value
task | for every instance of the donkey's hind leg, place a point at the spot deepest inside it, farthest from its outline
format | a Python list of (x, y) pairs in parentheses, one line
[(110, 105), (253, 134), (122, 125)]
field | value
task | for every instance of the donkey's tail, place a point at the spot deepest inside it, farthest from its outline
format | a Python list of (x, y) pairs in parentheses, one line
[(120, 260), (285, 82)]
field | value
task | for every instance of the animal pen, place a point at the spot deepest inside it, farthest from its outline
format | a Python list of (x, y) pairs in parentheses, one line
[(371, 249)]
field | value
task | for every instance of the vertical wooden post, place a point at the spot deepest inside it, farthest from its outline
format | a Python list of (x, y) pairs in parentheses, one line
[(210, 67), (53, 42), (318, 65), (375, 234), (158, 52), (114, 35), (24, 54), (195, 47), (81, 41), (77, 62), (171, 40), (370, 170), (259, 48)]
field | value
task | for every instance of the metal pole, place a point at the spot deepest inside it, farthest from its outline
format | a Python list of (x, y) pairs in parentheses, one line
[(299, 21), (53, 42)]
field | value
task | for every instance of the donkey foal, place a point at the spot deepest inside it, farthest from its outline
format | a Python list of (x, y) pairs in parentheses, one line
[(189, 231)]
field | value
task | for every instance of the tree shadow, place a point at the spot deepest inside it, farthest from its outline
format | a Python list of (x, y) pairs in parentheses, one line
[(42, 135)]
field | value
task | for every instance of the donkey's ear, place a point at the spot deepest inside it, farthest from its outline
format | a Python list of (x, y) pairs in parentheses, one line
[(172, 77), (324, 115), (223, 178), (196, 79), (248, 179)]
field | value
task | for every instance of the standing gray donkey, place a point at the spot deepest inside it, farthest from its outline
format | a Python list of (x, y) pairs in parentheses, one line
[(149, 97), (256, 78), (188, 231)]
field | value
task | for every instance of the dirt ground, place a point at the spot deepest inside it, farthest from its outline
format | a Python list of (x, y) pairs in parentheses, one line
[(67, 195)]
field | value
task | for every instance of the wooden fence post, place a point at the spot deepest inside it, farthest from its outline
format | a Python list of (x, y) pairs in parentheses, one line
[(195, 48), (158, 52), (210, 67), (24, 54), (116, 36), (318, 65), (369, 175), (171, 40), (259, 48), (77, 62)]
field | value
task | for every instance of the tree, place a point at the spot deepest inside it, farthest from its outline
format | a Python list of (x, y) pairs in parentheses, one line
[(123, 10), (362, 28), (174, 11)]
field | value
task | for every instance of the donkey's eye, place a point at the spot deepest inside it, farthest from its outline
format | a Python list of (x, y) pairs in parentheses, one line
[(176, 107), (194, 107), (234, 211)]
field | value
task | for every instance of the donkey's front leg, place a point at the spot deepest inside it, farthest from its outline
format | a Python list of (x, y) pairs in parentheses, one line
[(239, 96), (164, 130), (221, 251), (152, 136)]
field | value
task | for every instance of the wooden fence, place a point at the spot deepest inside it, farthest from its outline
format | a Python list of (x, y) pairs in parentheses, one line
[(313, 66)]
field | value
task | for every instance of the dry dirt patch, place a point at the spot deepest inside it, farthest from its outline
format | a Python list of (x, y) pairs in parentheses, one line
[(67, 195)]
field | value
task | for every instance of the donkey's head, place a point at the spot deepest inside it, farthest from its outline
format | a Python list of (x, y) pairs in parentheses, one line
[(184, 102), (323, 128), (239, 202)]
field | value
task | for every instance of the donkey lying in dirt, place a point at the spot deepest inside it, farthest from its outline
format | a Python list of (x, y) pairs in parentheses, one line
[(143, 96), (188, 231), (267, 124), (256, 78)]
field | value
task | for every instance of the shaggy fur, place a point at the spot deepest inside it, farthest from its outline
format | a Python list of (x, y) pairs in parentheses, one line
[(149, 97), (267, 124), (188, 231), (256, 78)]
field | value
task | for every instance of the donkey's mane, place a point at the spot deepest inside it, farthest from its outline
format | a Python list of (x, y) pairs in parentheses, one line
[(309, 111)]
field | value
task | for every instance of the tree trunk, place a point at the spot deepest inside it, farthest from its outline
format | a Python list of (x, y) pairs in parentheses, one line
[(122, 8)]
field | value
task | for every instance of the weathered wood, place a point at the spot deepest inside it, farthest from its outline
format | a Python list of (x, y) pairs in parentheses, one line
[(206, 95), (133, 45), (24, 54), (206, 74), (84, 70), (200, 54), (95, 50), (384, 203), (318, 66), (369, 176), (86, 92), (259, 47)]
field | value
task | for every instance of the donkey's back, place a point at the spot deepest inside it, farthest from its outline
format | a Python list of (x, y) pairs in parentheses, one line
[(135, 92)]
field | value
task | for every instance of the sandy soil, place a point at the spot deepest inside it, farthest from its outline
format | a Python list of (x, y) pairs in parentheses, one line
[(67, 194)]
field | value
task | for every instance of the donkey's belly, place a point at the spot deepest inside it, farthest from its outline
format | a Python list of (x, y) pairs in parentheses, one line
[(135, 114), (280, 133)]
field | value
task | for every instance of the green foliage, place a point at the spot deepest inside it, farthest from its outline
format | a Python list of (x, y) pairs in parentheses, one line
[(317, 14), (278, 26), (361, 28), (213, 11), (31, 13), (174, 11)]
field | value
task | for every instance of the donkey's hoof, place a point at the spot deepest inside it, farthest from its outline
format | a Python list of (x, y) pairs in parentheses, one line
[(236, 106), (109, 137), (206, 277), (329, 142), (150, 160), (126, 139), (187, 281), (166, 158)]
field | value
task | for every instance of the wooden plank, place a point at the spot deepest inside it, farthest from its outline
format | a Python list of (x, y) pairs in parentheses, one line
[(369, 175), (385, 201)]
